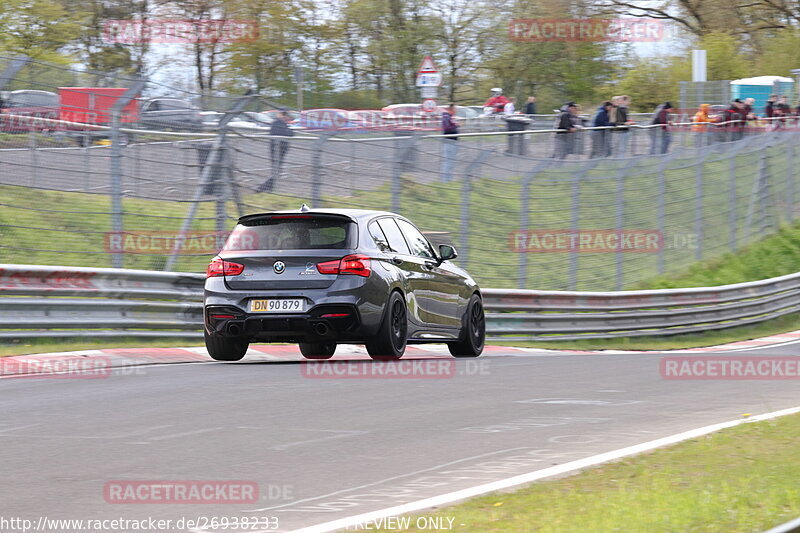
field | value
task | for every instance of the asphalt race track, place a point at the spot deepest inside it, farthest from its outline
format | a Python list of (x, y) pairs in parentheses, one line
[(322, 446)]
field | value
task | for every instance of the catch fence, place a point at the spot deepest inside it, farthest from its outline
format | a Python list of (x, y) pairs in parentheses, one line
[(122, 194)]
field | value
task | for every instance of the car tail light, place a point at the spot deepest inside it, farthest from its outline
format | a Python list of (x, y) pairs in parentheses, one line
[(356, 264), (222, 316), (335, 315), (220, 267)]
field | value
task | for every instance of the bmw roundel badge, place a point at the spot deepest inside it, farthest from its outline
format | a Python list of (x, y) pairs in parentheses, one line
[(279, 267)]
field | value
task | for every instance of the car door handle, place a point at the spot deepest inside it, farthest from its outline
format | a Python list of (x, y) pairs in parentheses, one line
[(430, 265), (397, 260)]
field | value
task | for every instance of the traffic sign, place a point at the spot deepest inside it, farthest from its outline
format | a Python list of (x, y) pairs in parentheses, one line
[(429, 105), (427, 65), (429, 79), (429, 92)]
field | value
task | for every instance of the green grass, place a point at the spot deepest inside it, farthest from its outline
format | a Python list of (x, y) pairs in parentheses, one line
[(558, 198), (48, 345), (740, 479), (773, 256)]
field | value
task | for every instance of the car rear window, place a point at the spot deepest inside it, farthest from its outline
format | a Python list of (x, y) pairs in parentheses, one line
[(293, 233)]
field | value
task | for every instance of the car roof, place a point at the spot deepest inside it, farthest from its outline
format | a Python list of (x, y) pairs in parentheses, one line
[(354, 214)]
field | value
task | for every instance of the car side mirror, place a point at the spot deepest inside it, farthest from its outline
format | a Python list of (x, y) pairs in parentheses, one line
[(447, 252)]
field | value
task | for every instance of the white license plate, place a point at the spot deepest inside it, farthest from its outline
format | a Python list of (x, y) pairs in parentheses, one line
[(278, 305)]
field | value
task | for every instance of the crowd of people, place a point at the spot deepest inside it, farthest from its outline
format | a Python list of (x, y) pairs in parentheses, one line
[(613, 125)]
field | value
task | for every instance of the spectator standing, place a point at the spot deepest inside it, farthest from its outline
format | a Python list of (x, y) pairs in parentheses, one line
[(734, 119), (530, 107), (660, 136), (601, 139), (769, 111), (568, 120), (780, 111), (621, 134), (277, 149), (449, 144), (701, 126)]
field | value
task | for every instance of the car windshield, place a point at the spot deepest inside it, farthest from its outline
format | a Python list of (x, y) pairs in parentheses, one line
[(292, 233)]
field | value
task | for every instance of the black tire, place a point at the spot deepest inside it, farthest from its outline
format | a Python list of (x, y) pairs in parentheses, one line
[(225, 348), (473, 331), (389, 343), (317, 350)]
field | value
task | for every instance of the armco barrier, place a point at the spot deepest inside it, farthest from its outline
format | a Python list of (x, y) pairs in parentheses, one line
[(42, 301)]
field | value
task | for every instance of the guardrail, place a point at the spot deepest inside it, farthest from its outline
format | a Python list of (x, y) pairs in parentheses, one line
[(43, 301)]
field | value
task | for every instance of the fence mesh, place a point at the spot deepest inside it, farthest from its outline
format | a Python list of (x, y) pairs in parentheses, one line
[(164, 199)]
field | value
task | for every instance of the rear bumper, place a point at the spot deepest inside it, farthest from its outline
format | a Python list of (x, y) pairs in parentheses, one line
[(327, 322)]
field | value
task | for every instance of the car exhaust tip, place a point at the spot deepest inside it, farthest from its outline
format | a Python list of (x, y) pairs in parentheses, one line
[(321, 328), (234, 329)]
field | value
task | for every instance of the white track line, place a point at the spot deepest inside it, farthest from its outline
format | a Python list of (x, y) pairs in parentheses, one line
[(572, 466)]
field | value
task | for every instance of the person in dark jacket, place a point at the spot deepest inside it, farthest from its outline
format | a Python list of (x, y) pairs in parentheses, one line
[(277, 149), (530, 107), (568, 124), (660, 136), (734, 119), (781, 110), (621, 134), (601, 139), (449, 144)]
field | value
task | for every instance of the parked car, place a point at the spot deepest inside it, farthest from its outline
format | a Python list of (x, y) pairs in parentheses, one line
[(327, 276), (411, 116), (28, 110), (210, 120), (169, 114), (246, 121)]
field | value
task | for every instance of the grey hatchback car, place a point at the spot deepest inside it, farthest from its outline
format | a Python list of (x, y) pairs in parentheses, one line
[(326, 276)]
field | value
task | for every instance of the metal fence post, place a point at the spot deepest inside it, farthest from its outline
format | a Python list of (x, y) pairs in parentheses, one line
[(661, 217), (208, 170), (400, 153), (524, 221), (116, 161), (698, 208), (575, 220), (620, 223), (34, 156), (12, 70), (790, 182), (466, 193), (316, 171), (733, 201)]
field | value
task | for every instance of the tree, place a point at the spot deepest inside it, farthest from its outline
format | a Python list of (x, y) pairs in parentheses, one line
[(463, 31), (91, 46), (266, 61), (39, 29)]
